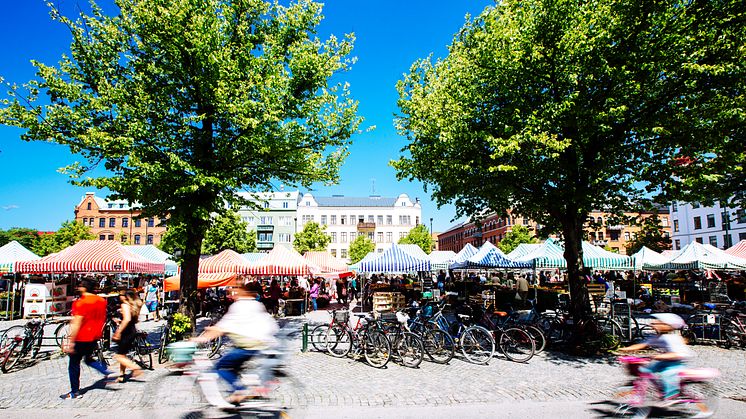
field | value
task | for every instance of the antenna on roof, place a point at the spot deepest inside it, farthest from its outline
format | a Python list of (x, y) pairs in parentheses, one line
[(373, 186)]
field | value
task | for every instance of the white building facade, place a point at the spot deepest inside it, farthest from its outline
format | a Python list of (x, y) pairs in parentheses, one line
[(383, 220), (719, 226), (274, 225)]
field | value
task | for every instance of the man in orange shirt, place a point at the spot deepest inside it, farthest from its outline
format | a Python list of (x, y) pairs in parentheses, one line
[(89, 316)]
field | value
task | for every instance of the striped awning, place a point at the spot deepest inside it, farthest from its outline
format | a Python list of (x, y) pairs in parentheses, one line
[(92, 256), (738, 250), (325, 262), (224, 279), (227, 261), (647, 257), (551, 255), (441, 259), (702, 256), (370, 256), (599, 258), (414, 250), (253, 257), (155, 254), (465, 253), (489, 257), (523, 249), (281, 261), (13, 252), (395, 259)]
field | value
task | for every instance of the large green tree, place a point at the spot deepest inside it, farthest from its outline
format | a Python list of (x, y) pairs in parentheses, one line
[(69, 233), (184, 102), (553, 108), (311, 238), (420, 236), (229, 231), (650, 235), (360, 247), (517, 235), (24, 236)]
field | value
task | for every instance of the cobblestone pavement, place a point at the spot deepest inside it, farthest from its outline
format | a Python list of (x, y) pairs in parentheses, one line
[(317, 380)]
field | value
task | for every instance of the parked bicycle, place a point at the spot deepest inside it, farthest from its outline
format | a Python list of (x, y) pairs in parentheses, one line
[(407, 347), (18, 346), (439, 345), (475, 342), (363, 338)]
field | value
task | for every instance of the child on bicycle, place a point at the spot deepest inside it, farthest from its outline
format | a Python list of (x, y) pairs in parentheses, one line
[(252, 330), (673, 353)]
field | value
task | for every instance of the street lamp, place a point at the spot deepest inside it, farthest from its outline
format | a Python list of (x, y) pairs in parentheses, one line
[(431, 225), (727, 242)]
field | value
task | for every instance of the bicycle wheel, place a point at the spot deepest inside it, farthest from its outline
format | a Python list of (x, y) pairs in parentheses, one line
[(610, 333), (699, 399), (14, 354), (215, 346), (142, 354), (100, 353), (731, 334), (162, 353), (554, 329), (439, 346), (338, 341), (377, 349), (410, 349), (61, 333), (8, 336), (318, 337), (106, 335), (646, 332), (537, 335), (517, 345), (477, 345)]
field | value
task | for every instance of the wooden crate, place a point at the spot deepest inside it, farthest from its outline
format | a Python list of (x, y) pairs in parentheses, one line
[(387, 301)]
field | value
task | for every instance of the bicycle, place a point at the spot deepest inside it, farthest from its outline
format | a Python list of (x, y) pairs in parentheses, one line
[(19, 346), (515, 319), (515, 343), (408, 347), (698, 395), (475, 342), (341, 340), (439, 345)]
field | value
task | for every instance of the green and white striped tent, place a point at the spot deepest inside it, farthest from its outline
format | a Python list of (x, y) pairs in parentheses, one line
[(13, 252), (701, 256), (523, 249), (551, 255), (440, 259), (647, 257)]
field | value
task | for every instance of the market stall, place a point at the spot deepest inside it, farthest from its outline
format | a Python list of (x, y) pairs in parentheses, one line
[(204, 280), (227, 261), (10, 254), (395, 259), (738, 250), (281, 261), (155, 254), (325, 265), (441, 259)]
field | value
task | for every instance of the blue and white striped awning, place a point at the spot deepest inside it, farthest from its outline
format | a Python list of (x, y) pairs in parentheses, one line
[(154, 254), (441, 259), (489, 257), (395, 259), (465, 253), (366, 258), (551, 255), (523, 249)]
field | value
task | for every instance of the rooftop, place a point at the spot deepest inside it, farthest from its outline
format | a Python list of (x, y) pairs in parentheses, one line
[(348, 201)]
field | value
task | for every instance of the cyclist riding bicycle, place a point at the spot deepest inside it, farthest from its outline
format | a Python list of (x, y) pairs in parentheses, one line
[(251, 329), (673, 353)]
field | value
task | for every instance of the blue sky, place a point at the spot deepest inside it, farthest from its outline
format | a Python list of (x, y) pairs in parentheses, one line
[(391, 35)]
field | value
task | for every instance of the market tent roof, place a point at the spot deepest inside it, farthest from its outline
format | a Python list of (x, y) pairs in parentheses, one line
[(155, 254), (441, 259), (489, 256), (227, 261), (370, 256), (395, 259), (670, 254), (738, 250), (465, 253), (597, 257), (646, 256), (414, 250), (222, 279), (523, 249), (92, 256), (698, 256), (253, 257), (13, 252), (326, 265), (551, 255), (281, 261), (548, 255)]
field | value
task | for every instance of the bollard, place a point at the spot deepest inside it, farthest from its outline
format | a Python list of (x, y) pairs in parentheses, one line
[(305, 338)]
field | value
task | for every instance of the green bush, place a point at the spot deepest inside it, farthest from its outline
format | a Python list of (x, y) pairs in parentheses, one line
[(181, 326)]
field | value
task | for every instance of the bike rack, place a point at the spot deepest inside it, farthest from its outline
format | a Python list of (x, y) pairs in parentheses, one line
[(622, 309)]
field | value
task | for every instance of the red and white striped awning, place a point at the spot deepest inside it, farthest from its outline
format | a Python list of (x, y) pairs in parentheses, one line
[(738, 250), (105, 256), (281, 261), (326, 265), (226, 261)]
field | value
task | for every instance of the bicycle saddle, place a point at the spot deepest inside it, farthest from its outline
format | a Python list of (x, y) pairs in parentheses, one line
[(463, 316)]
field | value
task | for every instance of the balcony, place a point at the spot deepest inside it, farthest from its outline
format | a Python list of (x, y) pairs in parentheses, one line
[(264, 228), (616, 227), (265, 245), (367, 227), (601, 243)]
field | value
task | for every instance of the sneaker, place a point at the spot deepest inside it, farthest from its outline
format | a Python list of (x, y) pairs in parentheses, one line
[(71, 395)]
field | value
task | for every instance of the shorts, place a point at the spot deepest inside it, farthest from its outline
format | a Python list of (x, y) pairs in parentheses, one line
[(151, 305)]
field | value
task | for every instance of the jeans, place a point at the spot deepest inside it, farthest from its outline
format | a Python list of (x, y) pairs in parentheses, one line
[(313, 302), (230, 364), (668, 374), (83, 350)]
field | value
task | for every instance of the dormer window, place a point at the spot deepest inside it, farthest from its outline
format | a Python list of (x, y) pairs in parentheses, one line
[(89, 206), (308, 204)]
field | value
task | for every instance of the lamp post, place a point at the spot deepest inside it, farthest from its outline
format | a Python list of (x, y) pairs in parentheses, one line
[(431, 225), (727, 242)]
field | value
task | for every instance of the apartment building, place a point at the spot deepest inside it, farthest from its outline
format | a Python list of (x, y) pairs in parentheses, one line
[(275, 221), (118, 220), (720, 226)]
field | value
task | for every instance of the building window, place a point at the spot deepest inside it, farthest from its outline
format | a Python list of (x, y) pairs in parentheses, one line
[(285, 204), (342, 219), (664, 222), (110, 237), (343, 237), (266, 205), (601, 236), (389, 237), (676, 244), (614, 236), (265, 220), (125, 222), (389, 220), (323, 220), (307, 219), (334, 237), (626, 236), (379, 237), (308, 204), (284, 237), (88, 206), (102, 237), (138, 222), (697, 223), (380, 250), (112, 222), (402, 235), (333, 252), (150, 223), (675, 226), (674, 206), (713, 241), (150, 239), (741, 236), (360, 218), (137, 239), (265, 237), (333, 220), (699, 240), (124, 238), (343, 253), (121, 205), (379, 220), (710, 220), (525, 221), (741, 216), (371, 219), (111, 205)]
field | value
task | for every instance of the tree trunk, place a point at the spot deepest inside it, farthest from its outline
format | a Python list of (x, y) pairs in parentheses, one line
[(195, 233), (572, 229)]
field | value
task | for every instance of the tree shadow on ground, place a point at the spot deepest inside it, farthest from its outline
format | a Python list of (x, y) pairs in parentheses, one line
[(560, 357)]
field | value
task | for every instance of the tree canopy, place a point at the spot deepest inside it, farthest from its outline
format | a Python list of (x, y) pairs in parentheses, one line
[(650, 235), (517, 235), (184, 102), (311, 238), (554, 108), (69, 233), (228, 231), (420, 236), (360, 247), (24, 236)]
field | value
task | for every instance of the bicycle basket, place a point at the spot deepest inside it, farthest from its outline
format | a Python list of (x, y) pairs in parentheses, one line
[(342, 316)]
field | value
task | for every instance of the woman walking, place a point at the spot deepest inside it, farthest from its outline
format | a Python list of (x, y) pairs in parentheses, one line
[(314, 294), (125, 334)]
